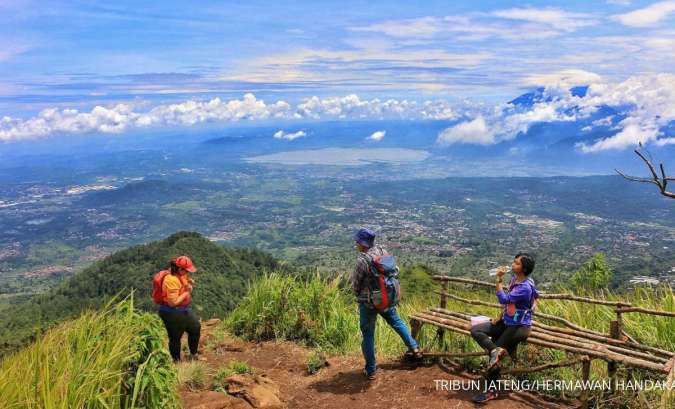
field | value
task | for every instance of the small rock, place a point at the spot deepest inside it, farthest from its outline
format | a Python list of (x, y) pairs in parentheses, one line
[(258, 391)]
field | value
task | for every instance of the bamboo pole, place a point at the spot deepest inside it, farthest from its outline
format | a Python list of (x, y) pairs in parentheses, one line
[(534, 313), (561, 364), (646, 311), (576, 340), (658, 354), (454, 355), (554, 343), (570, 297), (463, 280), (469, 301), (542, 295)]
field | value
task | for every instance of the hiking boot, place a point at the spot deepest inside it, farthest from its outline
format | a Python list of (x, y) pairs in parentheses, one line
[(370, 376), (414, 355), (495, 355), (196, 357), (485, 396)]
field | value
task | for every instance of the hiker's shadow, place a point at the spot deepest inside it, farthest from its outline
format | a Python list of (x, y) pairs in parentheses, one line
[(344, 383), (352, 382)]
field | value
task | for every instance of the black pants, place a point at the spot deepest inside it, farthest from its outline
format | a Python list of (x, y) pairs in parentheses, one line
[(176, 324), (490, 336)]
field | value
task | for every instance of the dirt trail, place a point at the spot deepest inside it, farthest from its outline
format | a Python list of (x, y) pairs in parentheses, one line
[(341, 385)]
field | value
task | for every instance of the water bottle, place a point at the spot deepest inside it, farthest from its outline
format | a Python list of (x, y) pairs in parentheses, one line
[(493, 271)]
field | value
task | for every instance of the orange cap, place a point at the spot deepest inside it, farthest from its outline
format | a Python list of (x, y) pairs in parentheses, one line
[(185, 263)]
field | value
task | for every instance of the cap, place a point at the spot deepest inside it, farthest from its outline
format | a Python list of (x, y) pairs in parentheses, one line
[(365, 237), (185, 263)]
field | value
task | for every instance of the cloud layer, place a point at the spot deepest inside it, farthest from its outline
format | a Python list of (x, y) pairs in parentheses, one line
[(122, 117), (647, 101)]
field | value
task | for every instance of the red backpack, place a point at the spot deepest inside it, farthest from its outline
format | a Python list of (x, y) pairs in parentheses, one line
[(158, 294)]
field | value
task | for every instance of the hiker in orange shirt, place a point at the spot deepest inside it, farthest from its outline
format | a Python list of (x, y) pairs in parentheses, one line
[(174, 309)]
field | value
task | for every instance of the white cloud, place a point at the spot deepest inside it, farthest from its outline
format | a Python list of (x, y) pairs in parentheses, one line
[(53, 121), (417, 27), (647, 101), (532, 23), (606, 121), (556, 18), (289, 136), (377, 136), (651, 102), (215, 110), (475, 131), (351, 106), (121, 117), (648, 16), (665, 141), (630, 135), (563, 78)]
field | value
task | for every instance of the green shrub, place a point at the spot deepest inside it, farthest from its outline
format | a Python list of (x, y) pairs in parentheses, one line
[(315, 361), (192, 375), (219, 382)]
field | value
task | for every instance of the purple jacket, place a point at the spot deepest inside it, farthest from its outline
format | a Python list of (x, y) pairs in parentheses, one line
[(518, 302)]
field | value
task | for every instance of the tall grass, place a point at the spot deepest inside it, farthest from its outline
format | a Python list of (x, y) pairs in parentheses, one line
[(321, 312), (112, 358), (318, 312)]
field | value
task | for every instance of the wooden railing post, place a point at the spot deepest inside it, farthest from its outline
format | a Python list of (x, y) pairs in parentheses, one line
[(440, 334), (614, 332), (415, 327), (585, 376)]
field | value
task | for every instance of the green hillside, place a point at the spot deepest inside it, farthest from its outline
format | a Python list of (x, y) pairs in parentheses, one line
[(220, 282)]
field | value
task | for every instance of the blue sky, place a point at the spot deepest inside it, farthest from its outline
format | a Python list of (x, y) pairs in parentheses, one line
[(78, 55)]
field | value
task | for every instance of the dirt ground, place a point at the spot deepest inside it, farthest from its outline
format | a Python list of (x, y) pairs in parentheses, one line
[(342, 384)]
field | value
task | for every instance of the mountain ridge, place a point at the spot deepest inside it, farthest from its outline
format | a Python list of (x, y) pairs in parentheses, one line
[(220, 281)]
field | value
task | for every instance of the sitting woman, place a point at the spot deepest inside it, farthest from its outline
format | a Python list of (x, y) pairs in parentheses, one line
[(502, 335)]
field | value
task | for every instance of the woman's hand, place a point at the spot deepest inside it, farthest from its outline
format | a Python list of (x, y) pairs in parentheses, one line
[(501, 271)]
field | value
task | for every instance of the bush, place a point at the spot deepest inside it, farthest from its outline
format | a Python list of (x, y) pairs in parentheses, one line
[(315, 361), (233, 368), (192, 375), (593, 276), (317, 311)]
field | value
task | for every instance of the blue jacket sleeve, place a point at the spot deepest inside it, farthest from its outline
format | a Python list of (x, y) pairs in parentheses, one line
[(519, 293)]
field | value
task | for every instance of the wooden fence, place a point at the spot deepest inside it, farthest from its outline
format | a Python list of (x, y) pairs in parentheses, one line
[(614, 347)]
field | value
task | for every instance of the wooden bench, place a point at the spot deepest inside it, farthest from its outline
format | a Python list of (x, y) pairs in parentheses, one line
[(617, 347)]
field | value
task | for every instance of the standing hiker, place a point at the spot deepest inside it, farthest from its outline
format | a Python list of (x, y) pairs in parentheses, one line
[(502, 335), (172, 290), (377, 289)]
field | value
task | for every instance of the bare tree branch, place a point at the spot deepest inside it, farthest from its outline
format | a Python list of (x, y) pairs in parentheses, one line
[(661, 182)]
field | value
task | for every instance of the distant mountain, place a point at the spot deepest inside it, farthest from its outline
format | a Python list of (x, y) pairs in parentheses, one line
[(528, 100), (221, 281)]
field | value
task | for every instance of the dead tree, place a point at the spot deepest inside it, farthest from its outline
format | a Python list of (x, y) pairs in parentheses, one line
[(661, 181)]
